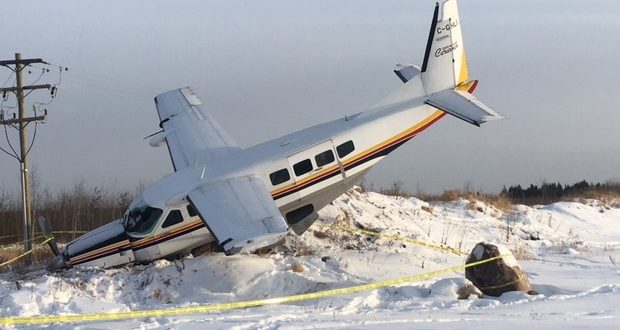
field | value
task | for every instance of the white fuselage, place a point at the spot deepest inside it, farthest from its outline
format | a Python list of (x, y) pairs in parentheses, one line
[(304, 171), (373, 135)]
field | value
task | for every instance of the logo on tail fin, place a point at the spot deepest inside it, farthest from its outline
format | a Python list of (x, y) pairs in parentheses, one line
[(444, 65), (446, 49)]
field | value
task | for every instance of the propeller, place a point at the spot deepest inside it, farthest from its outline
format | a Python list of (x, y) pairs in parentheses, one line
[(46, 228)]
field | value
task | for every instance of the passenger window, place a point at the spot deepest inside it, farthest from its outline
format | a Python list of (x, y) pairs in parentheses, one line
[(324, 158), (302, 167), (279, 177), (299, 214), (173, 218), (345, 149), (191, 210)]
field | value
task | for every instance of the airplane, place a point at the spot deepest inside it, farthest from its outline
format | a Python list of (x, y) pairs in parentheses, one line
[(247, 199)]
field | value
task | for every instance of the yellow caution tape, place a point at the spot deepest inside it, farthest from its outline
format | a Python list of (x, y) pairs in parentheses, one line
[(11, 245), (16, 244), (36, 238), (492, 287), (3, 237), (441, 248), (175, 311), (4, 246), (54, 232), (26, 253), (70, 232)]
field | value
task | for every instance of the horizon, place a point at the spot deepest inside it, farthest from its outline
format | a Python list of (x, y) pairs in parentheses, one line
[(266, 70)]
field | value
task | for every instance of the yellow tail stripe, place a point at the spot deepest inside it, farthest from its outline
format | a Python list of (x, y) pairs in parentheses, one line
[(464, 73)]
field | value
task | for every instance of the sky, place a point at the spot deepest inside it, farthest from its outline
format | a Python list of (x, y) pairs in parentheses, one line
[(268, 68)]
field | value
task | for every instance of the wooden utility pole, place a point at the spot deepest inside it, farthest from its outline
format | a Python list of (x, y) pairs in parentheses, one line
[(22, 122)]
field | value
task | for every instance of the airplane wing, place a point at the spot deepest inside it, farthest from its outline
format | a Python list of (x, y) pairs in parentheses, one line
[(240, 213), (193, 136)]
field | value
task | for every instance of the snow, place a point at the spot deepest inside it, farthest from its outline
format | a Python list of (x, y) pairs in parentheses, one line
[(570, 249), (509, 258)]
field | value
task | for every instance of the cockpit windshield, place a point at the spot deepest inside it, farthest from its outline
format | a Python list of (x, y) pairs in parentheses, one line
[(141, 219)]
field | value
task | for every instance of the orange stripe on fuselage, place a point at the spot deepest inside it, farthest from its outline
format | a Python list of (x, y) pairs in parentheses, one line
[(370, 151), (100, 251), (145, 241), (133, 245)]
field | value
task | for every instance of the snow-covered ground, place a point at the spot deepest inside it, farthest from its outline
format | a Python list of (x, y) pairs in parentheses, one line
[(571, 251)]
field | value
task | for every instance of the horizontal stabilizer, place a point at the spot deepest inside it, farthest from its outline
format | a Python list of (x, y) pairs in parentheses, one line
[(406, 71), (464, 106)]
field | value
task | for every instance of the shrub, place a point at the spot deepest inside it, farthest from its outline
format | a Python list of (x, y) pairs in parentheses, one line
[(396, 189), (450, 195)]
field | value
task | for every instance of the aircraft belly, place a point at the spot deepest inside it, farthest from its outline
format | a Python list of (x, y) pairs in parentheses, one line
[(362, 168), (310, 188), (320, 199), (147, 254), (186, 242), (116, 259)]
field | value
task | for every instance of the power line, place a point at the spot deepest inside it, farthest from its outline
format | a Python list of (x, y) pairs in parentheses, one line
[(7, 79), (14, 154), (20, 122), (102, 77)]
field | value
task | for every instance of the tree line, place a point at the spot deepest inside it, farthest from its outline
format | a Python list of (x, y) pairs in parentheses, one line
[(550, 192), (84, 208), (71, 211)]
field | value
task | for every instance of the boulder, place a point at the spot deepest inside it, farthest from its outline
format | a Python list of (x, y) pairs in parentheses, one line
[(498, 276)]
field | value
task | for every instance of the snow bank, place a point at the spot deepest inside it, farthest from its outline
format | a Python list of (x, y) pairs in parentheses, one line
[(572, 250)]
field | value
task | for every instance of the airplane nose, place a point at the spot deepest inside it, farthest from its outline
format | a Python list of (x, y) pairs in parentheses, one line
[(56, 263)]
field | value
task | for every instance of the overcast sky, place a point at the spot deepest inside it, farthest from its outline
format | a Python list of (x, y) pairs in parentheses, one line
[(266, 68)]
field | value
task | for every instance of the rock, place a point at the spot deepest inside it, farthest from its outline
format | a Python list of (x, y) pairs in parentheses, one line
[(498, 276), (298, 268)]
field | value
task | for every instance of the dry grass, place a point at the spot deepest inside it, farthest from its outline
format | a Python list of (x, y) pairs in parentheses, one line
[(41, 255), (522, 253), (565, 247), (76, 210), (320, 234), (473, 206), (396, 189), (502, 203), (498, 201), (450, 195), (428, 209)]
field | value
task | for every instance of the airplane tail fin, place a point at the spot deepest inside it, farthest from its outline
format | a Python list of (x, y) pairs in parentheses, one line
[(443, 75), (444, 71), (445, 65)]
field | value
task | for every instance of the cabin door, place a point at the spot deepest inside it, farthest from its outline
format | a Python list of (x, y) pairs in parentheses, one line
[(315, 168)]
